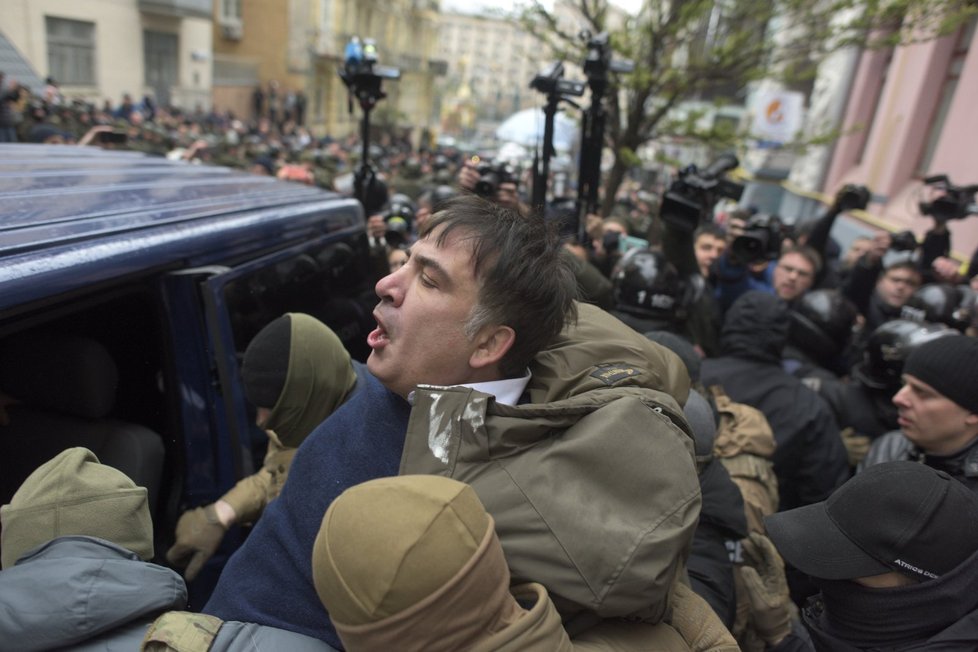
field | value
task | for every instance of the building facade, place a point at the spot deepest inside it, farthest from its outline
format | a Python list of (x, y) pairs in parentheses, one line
[(911, 115), (490, 65), (297, 46), (103, 49)]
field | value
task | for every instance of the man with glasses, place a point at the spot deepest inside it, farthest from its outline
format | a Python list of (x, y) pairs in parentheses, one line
[(790, 276)]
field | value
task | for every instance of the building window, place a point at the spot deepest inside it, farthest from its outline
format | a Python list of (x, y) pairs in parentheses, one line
[(230, 11), (936, 125), (71, 51)]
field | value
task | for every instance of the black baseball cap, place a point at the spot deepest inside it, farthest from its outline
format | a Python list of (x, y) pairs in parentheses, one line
[(897, 516)]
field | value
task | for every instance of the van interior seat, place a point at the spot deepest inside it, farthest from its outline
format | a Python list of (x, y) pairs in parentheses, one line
[(65, 388)]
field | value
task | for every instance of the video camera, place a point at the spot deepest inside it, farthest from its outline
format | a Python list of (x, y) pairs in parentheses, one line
[(598, 62), (490, 176), (852, 197), (550, 81), (690, 198), (760, 241), (956, 202), (362, 75), (903, 241)]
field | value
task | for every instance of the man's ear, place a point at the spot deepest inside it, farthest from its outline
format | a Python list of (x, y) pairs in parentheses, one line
[(492, 343), (971, 419)]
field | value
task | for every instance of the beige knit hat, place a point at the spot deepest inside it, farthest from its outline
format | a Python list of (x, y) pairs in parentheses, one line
[(388, 543), (73, 494)]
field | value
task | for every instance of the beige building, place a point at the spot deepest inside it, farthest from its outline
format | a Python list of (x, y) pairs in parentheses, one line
[(102, 49), (299, 44), (491, 62), (490, 65)]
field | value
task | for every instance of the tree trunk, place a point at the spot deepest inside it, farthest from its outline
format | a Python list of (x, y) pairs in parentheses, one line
[(615, 176)]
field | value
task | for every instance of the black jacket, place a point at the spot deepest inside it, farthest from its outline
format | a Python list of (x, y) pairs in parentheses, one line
[(810, 460), (800, 364), (722, 525), (866, 410), (893, 446)]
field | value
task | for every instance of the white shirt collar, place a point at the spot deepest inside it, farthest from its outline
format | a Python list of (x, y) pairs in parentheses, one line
[(506, 391)]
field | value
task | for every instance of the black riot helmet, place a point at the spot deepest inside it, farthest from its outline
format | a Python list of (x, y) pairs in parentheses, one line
[(399, 217), (888, 347), (441, 194), (647, 285), (968, 305), (941, 303), (821, 323)]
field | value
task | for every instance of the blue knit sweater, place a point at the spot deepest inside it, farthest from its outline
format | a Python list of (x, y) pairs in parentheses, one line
[(269, 579)]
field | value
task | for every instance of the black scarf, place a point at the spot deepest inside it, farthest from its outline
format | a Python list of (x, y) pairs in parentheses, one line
[(872, 618)]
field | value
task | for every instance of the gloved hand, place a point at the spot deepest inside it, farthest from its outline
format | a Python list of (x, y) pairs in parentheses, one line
[(199, 533), (856, 446), (767, 588), (697, 623)]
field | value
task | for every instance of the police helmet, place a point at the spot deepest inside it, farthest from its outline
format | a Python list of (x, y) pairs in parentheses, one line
[(888, 348), (647, 285), (964, 312), (821, 323), (442, 194), (399, 218), (942, 303)]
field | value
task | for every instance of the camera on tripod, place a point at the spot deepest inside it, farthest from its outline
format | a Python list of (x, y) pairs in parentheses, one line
[(598, 62), (361, 73), (550, 81), (363, 77), (692, 195), (955, 202)]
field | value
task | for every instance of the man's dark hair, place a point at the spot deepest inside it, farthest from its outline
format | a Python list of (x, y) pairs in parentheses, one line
[(524, 282), (709, 228), (808, 254), (903, 264)]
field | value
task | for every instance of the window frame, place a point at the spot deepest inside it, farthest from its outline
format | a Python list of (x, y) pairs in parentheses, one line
[(67, 52)]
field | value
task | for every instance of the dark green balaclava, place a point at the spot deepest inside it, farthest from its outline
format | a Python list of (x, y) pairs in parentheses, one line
[(297, 366)]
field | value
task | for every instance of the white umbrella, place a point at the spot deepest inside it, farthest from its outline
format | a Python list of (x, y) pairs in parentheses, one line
[(511, 152), (526, 128)]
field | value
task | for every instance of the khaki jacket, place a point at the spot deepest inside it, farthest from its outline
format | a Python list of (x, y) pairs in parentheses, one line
[(744, 445), (595, 494)]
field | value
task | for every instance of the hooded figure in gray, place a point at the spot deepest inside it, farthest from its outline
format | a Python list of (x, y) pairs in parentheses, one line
[(74, 548)]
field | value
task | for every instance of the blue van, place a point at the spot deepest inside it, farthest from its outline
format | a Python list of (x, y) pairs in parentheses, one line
[(129, 288)]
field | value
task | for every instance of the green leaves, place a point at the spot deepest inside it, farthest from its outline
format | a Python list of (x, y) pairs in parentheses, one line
[(710, 50)]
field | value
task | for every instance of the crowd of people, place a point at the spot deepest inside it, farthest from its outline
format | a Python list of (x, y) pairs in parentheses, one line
[(273, 140), (648, 438)]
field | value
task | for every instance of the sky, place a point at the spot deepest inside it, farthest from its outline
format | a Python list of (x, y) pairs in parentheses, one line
[(473, 6)]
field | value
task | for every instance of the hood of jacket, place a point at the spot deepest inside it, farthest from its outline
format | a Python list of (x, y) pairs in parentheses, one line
[(75, 588), (599, 351), (756, 327), (592, 484)]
